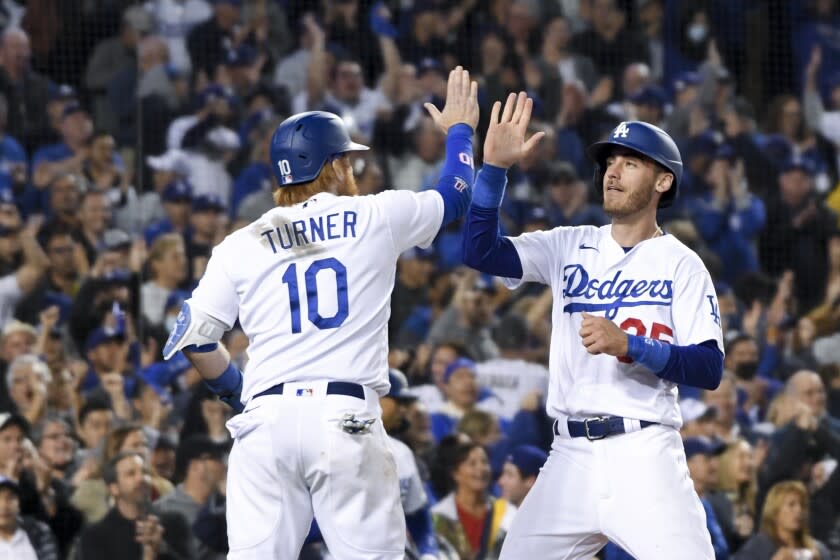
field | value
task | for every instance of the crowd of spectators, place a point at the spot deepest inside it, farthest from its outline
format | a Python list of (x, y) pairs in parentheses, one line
[(134, 137)]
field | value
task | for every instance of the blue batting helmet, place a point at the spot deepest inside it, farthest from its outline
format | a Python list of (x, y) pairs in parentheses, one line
[(303, 143), (649, 141)]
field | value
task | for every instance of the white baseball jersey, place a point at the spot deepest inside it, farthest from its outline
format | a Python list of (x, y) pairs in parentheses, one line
[(311, 285), (510, 381), (175, 20), (412, 493), (659, 289)]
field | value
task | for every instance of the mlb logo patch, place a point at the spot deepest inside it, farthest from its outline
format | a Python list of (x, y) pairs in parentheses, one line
[(287, 179), (305, 392)]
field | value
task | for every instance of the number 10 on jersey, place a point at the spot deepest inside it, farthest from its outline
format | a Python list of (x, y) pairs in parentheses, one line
[(290, 278)]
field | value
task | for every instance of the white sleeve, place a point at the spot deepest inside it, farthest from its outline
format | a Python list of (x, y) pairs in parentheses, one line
[(413, 218), (216, 293), (537, 251), (10, 291), (695, 310), (829, 126), (415, 495)]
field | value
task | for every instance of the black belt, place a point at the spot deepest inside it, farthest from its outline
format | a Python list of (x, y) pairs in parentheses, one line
[(333, 388), (598, 427)]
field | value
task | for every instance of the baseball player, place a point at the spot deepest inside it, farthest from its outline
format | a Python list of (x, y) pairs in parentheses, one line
[(309, 282), (634, 315)]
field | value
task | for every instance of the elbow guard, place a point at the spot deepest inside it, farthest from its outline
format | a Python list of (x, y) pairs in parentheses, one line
[(193, 328)]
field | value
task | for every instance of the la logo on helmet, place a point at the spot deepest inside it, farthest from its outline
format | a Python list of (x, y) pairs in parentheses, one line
[(621, 130)]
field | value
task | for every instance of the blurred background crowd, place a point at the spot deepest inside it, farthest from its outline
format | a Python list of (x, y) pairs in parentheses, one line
[(133, 138)]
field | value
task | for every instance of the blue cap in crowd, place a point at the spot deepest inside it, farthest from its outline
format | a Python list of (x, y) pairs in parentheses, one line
[(71, 109), (176, 299), (243, 55), (60, 92), (13, 419), (798, 162), (102, 335), (212, 92), (536, 213), (776, 146), (529, 459), (460, 363), (6, 482), (430, 64), (705, 143), (702, 446), (7, 196), (726, 152), (427, 254), (162, 374), (686, 79), (208, 201), (399, 386), (650, 95), (178, 191)]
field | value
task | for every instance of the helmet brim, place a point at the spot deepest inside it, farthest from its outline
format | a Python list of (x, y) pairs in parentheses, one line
[(355, 147)]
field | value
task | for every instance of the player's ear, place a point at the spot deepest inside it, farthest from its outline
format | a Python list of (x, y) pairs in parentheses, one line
[(337, 168), (664, 182)]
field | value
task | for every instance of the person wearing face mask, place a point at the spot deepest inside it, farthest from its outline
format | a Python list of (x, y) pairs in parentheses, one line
[(696, 32), (755, 388)]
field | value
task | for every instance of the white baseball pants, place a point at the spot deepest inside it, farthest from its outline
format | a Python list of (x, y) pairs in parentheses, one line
[(292, 460), (633, 489)]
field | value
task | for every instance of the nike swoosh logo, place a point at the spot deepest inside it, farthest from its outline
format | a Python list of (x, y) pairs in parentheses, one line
[(585, 246)]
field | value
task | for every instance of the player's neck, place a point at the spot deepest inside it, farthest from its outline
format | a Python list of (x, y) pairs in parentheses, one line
[(629, 232)]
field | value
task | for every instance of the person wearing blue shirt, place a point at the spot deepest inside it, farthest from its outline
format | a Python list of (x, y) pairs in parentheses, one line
[(57, 159), (14, 164), (728, 216), (177, 198), (567, 199)]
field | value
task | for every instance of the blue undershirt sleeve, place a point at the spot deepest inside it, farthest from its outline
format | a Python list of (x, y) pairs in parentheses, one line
[(695, 365), (484, 248), (457, 175)]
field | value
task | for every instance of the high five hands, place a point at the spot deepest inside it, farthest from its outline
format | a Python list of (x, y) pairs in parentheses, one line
[(461, 102), (505, 143)]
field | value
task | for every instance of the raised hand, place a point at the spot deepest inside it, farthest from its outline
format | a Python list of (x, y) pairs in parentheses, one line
[(461, 102), (505, 143)]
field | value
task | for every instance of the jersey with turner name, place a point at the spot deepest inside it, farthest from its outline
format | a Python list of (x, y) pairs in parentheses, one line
[(311, 285), (659, 289)]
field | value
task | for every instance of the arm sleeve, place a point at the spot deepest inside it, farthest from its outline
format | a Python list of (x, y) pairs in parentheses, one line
[(457, 175), (695, 365), (216, 293), (485, 249), (527, 258)]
